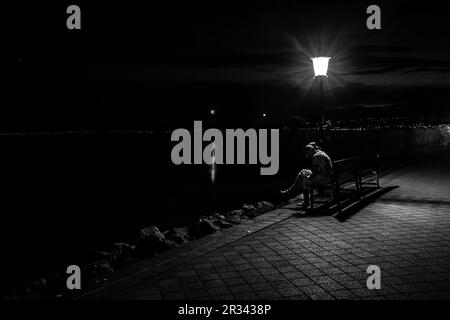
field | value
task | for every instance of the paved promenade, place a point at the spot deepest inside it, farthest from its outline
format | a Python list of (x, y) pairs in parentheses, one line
[(284, 255)]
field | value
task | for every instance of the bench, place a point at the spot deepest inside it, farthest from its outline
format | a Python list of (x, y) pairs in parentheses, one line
[(369, 171), (351, 176)]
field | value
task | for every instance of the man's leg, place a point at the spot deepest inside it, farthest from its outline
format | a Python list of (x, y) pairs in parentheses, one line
[(298, 182), (305, 189)]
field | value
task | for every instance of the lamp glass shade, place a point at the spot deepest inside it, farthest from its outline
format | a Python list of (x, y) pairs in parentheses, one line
[(320, 65)]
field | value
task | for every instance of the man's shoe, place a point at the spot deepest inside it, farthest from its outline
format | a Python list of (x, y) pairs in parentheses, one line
[(304, 205)]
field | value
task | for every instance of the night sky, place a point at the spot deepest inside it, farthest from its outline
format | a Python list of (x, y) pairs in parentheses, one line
[(141, 65)]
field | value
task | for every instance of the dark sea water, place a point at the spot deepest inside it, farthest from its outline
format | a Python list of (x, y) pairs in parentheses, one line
[(64, 195)]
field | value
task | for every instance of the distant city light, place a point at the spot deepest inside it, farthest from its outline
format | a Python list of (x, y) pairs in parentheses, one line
[(264, 115), (212, 111), (320, 65)]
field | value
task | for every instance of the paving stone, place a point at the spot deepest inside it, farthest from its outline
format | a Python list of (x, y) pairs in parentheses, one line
[(218, 291), (269, 295), (255, 279), (179, 295), (234, 281), (223, 297), (240, 288), (192, 286), (344, 294), (199, 293), (246, 296), (264, 286), (170, 288), (289, 291), (321, 296), (213, 283)]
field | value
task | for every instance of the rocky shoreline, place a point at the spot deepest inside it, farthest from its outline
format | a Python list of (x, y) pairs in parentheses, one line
[(148, 242)]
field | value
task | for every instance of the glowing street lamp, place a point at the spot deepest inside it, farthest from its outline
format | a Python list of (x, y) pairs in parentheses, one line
[(320, 65)]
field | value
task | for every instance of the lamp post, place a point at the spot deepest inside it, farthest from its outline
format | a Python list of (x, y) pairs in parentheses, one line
[(213, 165), (320, 65)]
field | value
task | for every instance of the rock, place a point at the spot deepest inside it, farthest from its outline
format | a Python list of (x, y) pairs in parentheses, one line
[(238, 212), (118, 253), (236, 218), (219, 220), (124, 246), (151, 232), (178, 235), (203, 227), (219, 216), (223, 223), (153, 241), (100, 267), (261, 207), (248, 208), (265, 204), (123, 251)]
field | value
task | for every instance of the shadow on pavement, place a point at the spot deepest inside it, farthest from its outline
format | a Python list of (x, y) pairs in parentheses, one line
[(349, 210)]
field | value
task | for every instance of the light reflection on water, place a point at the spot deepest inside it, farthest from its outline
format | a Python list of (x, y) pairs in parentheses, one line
[(212, 172), (213, 167)]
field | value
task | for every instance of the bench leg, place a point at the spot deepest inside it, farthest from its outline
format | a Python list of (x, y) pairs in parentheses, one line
[(311, 197), (378, 178), (336, 194), (336, 197)]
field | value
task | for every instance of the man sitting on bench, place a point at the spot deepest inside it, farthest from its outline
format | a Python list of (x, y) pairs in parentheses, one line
[(319, 175)]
